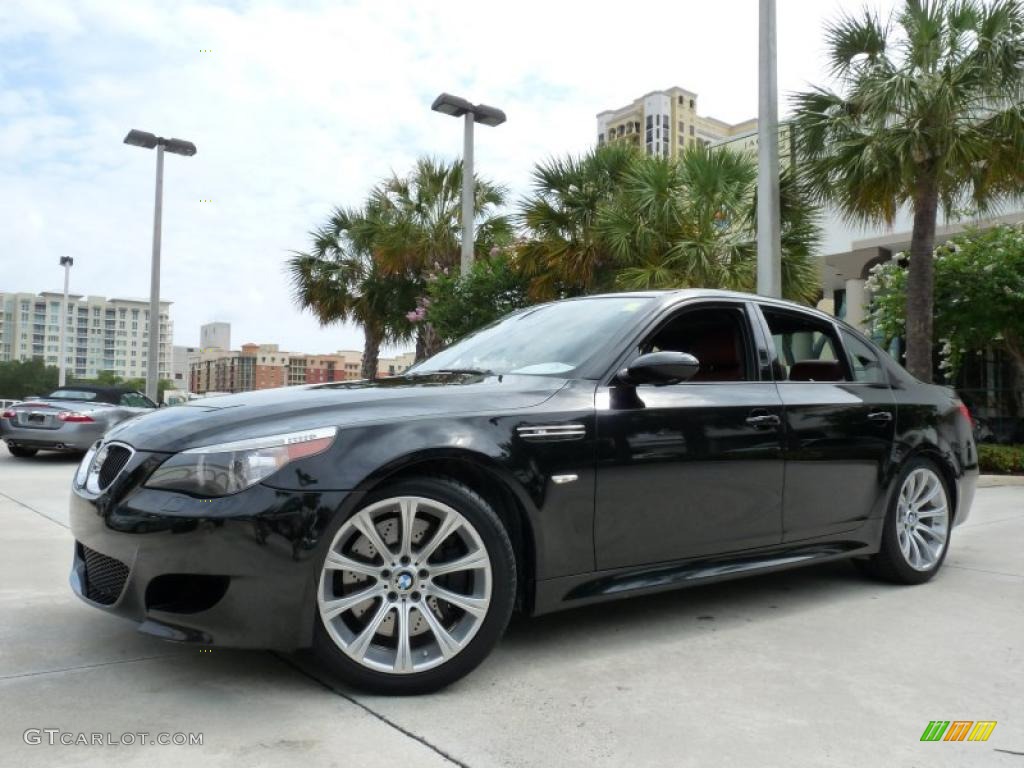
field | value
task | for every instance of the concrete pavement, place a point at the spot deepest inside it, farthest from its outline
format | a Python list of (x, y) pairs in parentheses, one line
[(812, 667)]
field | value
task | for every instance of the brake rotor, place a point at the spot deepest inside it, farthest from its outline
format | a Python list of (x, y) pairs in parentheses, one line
[(389, 533)]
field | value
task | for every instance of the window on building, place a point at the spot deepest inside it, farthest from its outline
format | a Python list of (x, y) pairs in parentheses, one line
[(664, 121), (650, 122), (691, 129), (691, 104), (600, 138)]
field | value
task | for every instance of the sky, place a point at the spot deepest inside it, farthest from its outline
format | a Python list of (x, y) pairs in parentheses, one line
[(297, 107)]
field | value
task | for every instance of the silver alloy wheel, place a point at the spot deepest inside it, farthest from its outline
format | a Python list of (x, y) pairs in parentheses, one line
[(405, 586), (922, 519)]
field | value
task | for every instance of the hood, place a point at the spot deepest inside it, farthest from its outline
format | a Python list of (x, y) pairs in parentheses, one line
[(270, 411)]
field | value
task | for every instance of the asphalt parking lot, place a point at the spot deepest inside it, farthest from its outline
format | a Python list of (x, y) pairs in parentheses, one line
[(812, 667)]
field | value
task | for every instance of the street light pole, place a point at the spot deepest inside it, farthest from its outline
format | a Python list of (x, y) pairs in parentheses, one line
[(769, 245), (66, 262), (468, 197), (473, 113), (153, 359), (178, 147)]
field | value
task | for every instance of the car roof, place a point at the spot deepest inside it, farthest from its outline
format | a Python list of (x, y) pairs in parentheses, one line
[(674, 295)]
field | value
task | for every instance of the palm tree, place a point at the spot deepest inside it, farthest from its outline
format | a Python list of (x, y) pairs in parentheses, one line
[(691, 222), (562, 253), (339, 279), (929, 113), (415, 226), (417, 218)]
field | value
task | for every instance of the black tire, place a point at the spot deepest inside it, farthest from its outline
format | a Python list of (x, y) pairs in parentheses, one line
[(22, 453), (889, 564), (496, 541)]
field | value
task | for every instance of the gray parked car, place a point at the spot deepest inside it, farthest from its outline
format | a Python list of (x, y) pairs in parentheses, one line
[(71, 418)]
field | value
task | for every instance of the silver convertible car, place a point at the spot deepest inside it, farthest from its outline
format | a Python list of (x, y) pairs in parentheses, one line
[(71, 418)]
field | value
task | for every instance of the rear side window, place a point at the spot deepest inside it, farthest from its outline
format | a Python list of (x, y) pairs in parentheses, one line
[(864, 359), (71, 394), (135, 400), (806, 348)]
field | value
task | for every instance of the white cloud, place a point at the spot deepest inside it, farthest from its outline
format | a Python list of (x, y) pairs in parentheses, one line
[(302, 107)]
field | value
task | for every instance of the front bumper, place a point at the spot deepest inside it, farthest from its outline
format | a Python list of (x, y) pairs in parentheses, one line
[(238, 571), (68, 437)]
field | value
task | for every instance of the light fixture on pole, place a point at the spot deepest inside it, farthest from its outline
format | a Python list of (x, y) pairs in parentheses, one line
[(455, 106), (67, 262), (177, 147), (769, 245)]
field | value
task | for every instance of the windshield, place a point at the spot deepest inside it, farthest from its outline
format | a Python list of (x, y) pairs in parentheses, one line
[(552, 339), (71, 394)]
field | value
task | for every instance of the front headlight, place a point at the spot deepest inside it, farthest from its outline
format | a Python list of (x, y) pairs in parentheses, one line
[(82, 474), (226, 468)]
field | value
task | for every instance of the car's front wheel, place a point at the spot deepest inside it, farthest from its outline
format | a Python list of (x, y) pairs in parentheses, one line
[(22, 453), (915, 537), (416, 588)]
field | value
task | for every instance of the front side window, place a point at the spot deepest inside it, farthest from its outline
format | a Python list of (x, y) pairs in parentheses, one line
[(806, 348), (864, 360), (551, 339), (716, 336)]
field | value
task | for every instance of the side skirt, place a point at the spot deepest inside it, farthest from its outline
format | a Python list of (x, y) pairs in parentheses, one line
[(572, 591)]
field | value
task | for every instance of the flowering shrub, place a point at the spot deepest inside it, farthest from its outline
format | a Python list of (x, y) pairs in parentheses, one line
[(979, 295), (455, 306)]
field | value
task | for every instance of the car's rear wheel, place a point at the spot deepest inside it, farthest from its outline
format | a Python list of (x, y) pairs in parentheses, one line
[(22, 453), (416, 588), (915, 538)]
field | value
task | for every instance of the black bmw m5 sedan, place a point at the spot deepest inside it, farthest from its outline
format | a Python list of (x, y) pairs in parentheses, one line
[(573, 452)]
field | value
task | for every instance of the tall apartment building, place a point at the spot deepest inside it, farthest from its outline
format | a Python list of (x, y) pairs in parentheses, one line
[(215, 336), (318, 369), (664, 123), (102, 334), (264, 366)]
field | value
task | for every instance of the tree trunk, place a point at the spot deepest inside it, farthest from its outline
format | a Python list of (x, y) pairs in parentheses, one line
[(371, 351), (1014, 345), (427, 342), (921, 280), (421, 345)]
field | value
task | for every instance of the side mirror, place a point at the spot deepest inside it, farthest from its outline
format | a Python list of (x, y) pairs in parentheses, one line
[(660, 368)]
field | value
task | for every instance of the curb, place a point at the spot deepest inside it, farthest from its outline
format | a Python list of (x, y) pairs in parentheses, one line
[(996, 481)]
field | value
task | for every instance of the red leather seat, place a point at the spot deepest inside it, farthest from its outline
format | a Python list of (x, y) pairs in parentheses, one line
[(718, 351)]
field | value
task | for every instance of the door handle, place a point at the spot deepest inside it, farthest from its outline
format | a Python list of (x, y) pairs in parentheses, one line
[(880, 416), (763, 420)]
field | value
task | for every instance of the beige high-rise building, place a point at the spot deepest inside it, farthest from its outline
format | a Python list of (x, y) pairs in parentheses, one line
[(747, 142), (394, 366), (664, 123), (102, 334)]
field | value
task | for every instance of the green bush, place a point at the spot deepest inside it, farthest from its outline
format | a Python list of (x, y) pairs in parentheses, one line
[(1001, 459)]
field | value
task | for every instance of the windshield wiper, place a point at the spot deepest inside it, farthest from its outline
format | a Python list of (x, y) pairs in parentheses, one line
[(452, 371)]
